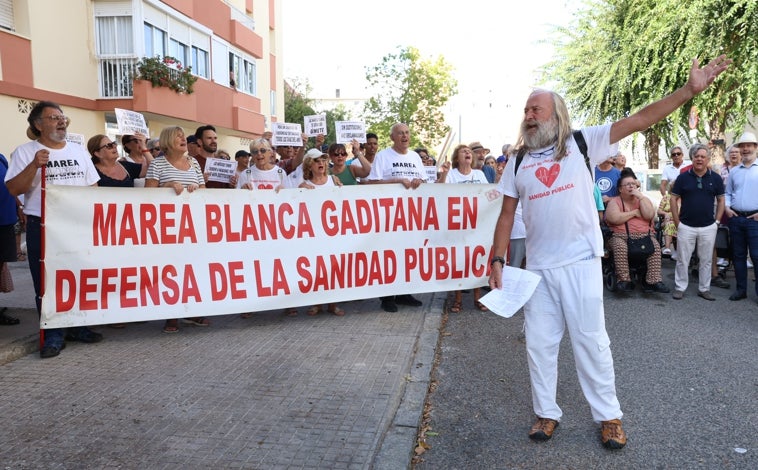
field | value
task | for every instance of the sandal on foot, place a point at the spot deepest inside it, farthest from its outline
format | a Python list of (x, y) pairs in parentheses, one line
[(336, 311), (290, 312), (315, 310), (7, 319), (197, 321), (171, 326), (456, 307), (20, 256), (481, 306)]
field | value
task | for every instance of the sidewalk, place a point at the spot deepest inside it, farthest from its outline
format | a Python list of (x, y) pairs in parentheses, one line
[(266, 392)]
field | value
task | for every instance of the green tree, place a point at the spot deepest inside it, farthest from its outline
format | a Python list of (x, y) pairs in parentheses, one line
[(297, 105), (620, 55), (410, 89)]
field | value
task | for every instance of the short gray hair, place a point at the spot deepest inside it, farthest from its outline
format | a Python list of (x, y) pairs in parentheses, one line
[(695, 148)]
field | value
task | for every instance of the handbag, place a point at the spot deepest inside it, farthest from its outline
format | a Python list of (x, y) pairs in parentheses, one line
[(6, 281), (638, 248)]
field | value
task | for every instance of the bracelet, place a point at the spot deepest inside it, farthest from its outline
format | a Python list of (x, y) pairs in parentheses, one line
[(497, 259)]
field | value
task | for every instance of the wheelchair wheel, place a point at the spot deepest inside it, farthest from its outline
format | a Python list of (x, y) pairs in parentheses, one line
[(609, 279)]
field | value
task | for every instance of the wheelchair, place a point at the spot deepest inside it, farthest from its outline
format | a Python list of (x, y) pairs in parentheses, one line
[(637, 266)]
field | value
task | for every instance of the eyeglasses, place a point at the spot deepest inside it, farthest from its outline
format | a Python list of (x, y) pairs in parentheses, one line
[(676, 154), (340, 154), (58, 118), (699, 182), (629, 185), (155, 149), (109, 145), (257, 151)]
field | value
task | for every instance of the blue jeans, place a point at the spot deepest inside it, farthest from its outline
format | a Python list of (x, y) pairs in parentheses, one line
[(54, 336), (744, 234)]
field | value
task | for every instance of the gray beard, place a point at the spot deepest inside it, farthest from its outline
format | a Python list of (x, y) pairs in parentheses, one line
[(545, 136)]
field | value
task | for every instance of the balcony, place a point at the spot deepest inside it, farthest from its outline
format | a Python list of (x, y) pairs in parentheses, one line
[(116, 77)]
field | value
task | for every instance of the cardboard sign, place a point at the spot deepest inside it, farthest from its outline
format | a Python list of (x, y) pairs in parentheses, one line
[(346, 131), (315, 125), (219, 169), (131, 122)]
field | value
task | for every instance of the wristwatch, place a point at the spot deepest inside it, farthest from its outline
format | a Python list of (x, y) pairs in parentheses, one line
[(497, 259)]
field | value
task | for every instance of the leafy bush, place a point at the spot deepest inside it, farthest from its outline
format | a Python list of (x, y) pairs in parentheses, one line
[(166, 72)]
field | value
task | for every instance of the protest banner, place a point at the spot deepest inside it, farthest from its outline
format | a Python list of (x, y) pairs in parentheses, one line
[(346, 131), (286, 134), (219, 169), (315, 125), (131, 122), (121, 254)]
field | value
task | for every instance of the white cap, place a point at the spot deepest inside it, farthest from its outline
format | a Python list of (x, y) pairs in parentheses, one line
[(314, 153)]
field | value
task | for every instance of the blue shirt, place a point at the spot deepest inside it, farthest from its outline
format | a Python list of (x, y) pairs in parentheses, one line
[(697, 195), (489, 173), (8, 209), (742, 188), (607, 181)]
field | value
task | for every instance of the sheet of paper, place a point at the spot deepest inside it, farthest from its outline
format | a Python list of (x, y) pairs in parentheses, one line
[(518, 287)]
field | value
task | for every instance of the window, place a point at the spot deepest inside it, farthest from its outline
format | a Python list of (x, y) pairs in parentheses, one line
[(243, 73), (199, 62), (6, 15), (114, 36), (179, 51), (155, 41)]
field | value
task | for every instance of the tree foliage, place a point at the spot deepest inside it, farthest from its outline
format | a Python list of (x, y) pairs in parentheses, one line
[(619, 55), (297, 105), (410, 89)]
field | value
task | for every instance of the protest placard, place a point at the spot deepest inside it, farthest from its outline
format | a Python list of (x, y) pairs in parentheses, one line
[(286, 134), (219, 169), (315, 125), (131, 122), (346, 131)]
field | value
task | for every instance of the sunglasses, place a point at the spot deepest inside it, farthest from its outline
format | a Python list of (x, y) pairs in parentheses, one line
[(699, 182), (155, 149), (339, 154), (257, 151), (109, 145)]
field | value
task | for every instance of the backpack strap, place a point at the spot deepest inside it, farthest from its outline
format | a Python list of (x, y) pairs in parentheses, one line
[(580, 142)]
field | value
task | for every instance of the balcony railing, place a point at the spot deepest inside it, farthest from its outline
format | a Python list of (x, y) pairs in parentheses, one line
[(116, 76)]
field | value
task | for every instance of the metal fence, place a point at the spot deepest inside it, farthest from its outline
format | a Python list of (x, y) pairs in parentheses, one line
[(116, 76)]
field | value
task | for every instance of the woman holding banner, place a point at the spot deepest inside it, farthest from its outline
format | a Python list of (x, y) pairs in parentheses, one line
[(462, 172), (175, 169), (264, 174)]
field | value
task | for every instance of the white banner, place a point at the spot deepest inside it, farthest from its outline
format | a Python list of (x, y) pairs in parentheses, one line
[(127, 254)]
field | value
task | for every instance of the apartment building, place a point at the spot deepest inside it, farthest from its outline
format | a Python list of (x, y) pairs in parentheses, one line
[(83, 54)]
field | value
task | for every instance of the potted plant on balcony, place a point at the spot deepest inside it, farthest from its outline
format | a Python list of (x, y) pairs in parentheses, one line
[(166, 72)]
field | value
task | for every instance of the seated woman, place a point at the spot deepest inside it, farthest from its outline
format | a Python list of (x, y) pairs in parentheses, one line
[(630, 215)]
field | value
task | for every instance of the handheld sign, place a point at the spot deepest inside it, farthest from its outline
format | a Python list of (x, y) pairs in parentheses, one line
[(315, 125), (286, 134), (346, 131), (219, 169), (130, 122), (75, 138)]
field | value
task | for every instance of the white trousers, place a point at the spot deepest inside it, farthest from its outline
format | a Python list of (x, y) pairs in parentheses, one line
[(686, 239), (570, 297)]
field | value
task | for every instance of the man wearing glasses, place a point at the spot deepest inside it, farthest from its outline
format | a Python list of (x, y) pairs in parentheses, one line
[(696, 188), (48, 125), (671, 171)]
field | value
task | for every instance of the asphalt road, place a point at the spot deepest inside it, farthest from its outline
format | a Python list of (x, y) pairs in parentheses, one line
[(686, 378)]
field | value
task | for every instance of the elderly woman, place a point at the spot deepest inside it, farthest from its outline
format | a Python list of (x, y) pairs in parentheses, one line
[(178, 171), (263, 174), (462, 172), (113, 172), (630, 215)]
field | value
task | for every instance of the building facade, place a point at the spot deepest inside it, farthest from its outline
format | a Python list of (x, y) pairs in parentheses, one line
[(83, 55)]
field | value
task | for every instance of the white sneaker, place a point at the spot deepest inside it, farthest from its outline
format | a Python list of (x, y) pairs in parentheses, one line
[(722, 262), (673, 255), (665, 251)]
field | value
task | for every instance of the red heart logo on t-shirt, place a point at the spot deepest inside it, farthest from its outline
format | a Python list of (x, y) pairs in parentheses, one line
[(265, 186), (548, 177)]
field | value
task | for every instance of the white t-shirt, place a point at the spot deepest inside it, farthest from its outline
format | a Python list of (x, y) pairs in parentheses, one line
[(69, 166), (329, 183), (389, 164), (474, 176), (264, 179), (518, 230), (670, 172), (558, 203)]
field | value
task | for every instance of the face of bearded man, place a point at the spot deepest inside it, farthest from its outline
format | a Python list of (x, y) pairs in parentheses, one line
[(539, 134)]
